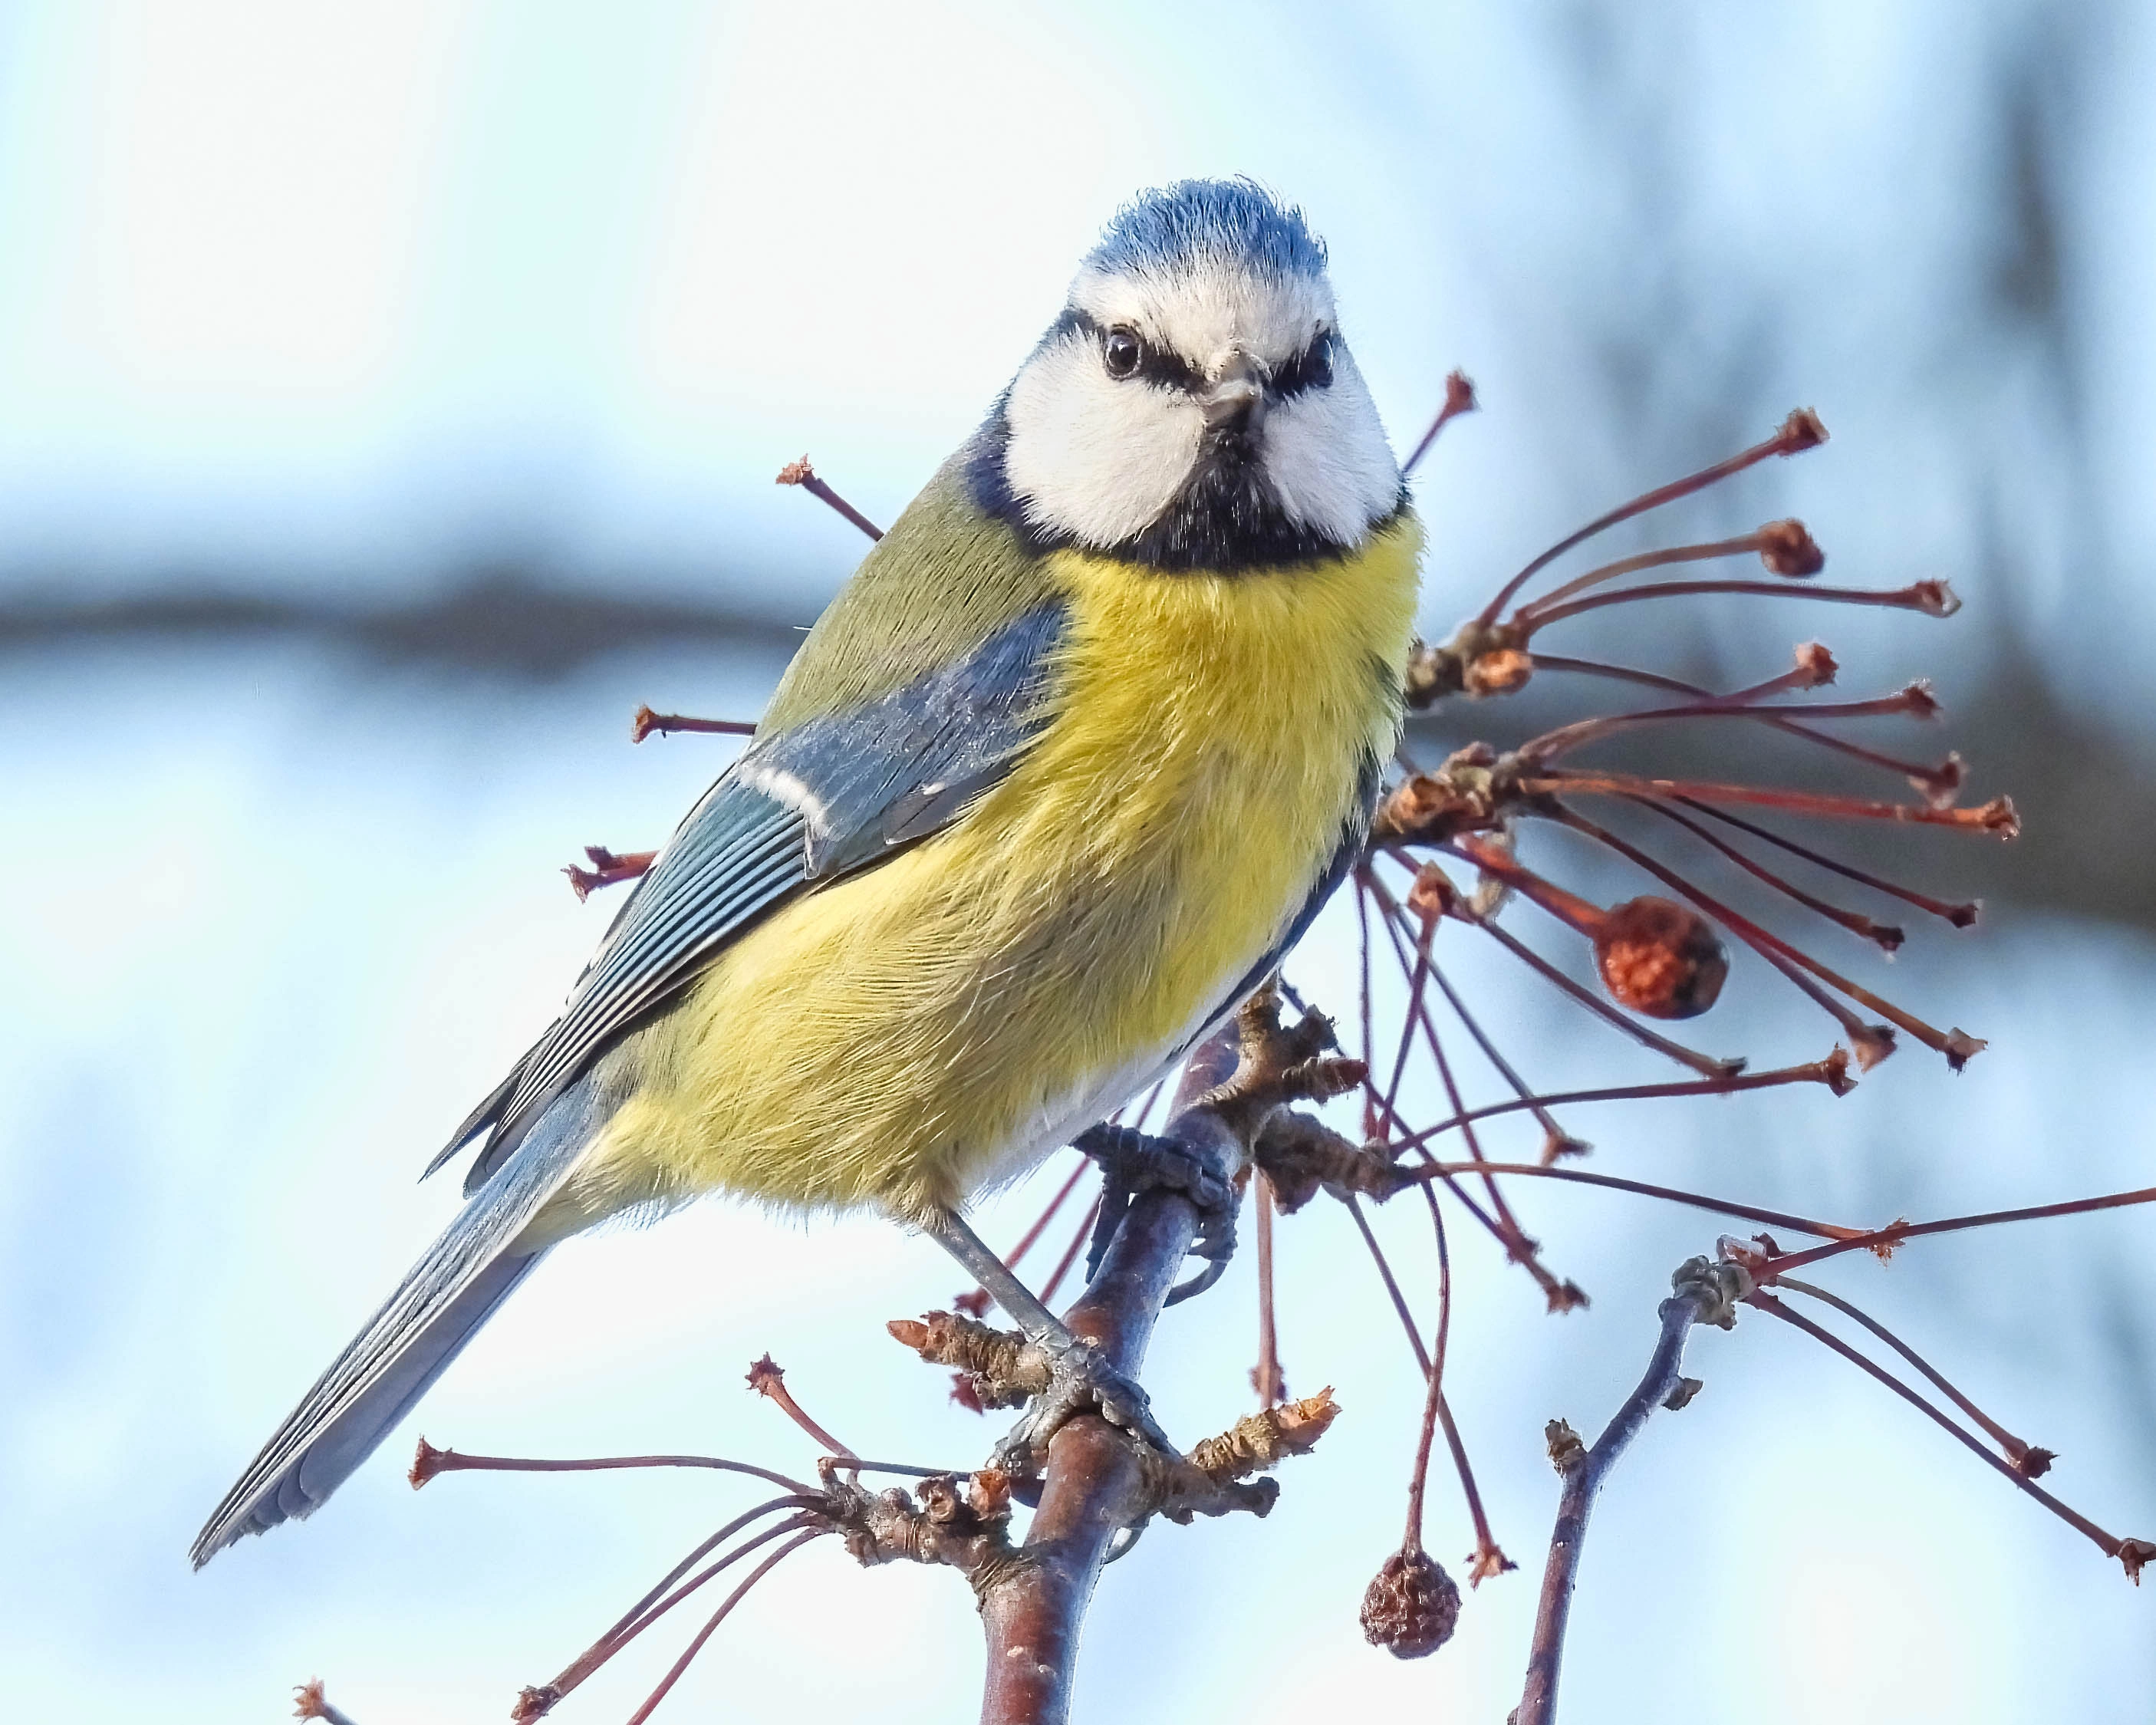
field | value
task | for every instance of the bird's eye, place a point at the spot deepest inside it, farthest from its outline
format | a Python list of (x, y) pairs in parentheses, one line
[(1121, 353)]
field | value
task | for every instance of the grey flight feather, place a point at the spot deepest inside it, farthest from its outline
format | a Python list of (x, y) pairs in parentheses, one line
[(806, 805), (420, 1328)]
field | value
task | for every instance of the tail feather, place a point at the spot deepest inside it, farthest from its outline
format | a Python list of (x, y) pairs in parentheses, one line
[(438, 1307)]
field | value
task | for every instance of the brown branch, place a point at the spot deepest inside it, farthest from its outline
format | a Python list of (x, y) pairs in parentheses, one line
[(1100, 1481), (1706, 1292)]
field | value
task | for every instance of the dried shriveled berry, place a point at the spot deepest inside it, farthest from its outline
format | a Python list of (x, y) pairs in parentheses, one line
[(1661, 958), (1411, 1607)]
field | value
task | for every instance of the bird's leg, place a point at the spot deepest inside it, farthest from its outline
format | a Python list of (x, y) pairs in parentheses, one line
[(1080, 1377), (1133, 1161), (608, 867)]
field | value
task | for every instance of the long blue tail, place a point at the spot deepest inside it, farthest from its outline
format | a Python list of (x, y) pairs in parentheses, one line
[(437, 1308)]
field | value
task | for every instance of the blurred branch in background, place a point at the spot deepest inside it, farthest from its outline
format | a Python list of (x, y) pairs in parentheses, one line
[(2087, 790)]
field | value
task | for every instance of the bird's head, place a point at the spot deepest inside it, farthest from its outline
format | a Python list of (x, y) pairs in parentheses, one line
[(1194, 406)]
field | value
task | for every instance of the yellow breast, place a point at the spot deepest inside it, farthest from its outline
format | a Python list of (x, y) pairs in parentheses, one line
[(904, 1035)]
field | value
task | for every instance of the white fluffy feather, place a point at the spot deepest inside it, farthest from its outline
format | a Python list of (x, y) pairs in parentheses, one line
[(1099, 458)]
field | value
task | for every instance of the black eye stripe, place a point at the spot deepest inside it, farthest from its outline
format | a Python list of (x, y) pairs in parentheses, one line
[(1156, 365), (1310, 369)]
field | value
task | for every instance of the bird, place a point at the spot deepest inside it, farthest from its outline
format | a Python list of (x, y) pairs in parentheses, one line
[(1052, 785)]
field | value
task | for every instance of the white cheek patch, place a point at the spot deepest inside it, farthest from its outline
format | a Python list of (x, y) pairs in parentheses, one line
[(1099, 458), (1090, 456), (1327, 458)]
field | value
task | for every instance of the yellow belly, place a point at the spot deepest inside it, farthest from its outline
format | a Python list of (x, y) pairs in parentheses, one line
[(908, 1034)]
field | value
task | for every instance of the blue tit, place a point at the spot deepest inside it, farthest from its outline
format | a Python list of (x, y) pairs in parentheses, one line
[(1063, 770)]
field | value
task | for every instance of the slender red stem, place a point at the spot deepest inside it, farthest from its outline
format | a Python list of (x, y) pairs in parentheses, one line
[(1886, 937), (1918, 596), (2016, 1449), (1705, 1065), (1657, 559), (1800, 431), (1826, 1072), (1459, 398), (1070, 1252), (1957, 1047), (1892, 1235), (1551, 744), (1960, 915), (718, 1617), (432, 1462), (800, 472), (1997, 816), (1270, 1382), (1845, 1237), (2106, 1542)]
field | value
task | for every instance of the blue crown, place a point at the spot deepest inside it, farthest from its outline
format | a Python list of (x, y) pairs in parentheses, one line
[(1197, 220)]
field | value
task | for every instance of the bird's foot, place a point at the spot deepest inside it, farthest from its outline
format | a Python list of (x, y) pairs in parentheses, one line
[(1135, 1162), (1080, 1381)]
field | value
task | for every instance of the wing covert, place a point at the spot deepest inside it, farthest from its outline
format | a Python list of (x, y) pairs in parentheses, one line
[(803, 807)]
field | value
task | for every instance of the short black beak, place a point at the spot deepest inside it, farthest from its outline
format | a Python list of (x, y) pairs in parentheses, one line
[(1235, 403)]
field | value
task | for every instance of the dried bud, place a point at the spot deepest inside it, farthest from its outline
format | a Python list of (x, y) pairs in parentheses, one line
[(1802, 430), (1558, 1145), (1565, 1296), (1870, 1044), (426, 1463), (796, 473), (766, 1375), (989, 1495), (1658, 958), (1817, 663), (1935, 598), (1412, 1606), (1432, 895), (2134, 1555), (1789, 551), (2034, 1462), (1503, 672)]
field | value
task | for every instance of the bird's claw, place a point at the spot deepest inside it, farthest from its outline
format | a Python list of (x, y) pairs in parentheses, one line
[(1135, 1162), (1080, 1381)]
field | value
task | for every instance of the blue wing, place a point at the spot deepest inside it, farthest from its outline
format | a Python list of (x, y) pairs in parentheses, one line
[(803, 807)]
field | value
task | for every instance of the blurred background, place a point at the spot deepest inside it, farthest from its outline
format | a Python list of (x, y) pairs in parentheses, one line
[(389, 401)]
